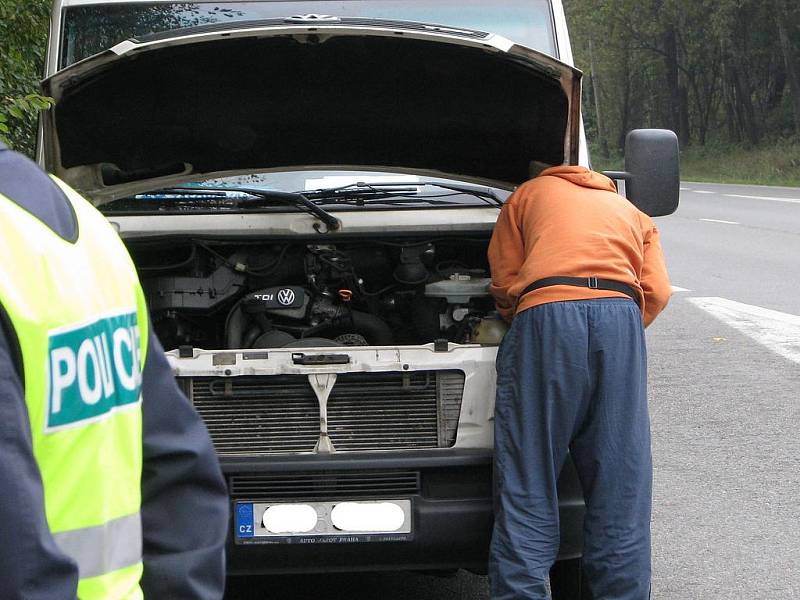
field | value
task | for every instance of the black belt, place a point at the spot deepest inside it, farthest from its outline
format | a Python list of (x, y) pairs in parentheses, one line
[(594, 283)]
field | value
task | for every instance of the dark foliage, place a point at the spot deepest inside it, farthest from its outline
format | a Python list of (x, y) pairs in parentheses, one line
[(714, 71)]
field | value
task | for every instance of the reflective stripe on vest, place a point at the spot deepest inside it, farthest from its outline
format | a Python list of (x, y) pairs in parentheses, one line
[(80, 320), (104, 548)]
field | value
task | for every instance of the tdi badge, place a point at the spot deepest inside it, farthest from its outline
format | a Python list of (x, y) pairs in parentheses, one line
[(276, 298)]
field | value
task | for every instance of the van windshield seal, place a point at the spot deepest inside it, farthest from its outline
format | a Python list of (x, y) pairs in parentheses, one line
[(93, 28)]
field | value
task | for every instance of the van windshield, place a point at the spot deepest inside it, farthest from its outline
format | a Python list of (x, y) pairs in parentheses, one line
[(93, 28)]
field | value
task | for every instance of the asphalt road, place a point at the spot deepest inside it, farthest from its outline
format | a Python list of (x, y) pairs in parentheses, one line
[(725, 397), (725, 411)]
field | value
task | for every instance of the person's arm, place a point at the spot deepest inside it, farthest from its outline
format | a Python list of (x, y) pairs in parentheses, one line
[(184, 498), (31, 565), (506, 255), (654, 280)]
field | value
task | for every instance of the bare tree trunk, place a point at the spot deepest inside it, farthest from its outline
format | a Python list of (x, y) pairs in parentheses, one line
[(740, 111), (673, 86), (788, 57), (596, 91), (686, 128), (625, 108), (744, 105)]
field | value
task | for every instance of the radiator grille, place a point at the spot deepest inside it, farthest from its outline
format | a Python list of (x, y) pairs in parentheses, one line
[(387, 411), (317, 486), (250, 416), (258, 415)]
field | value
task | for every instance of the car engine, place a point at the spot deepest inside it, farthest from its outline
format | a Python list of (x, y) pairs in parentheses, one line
[(218, 294)]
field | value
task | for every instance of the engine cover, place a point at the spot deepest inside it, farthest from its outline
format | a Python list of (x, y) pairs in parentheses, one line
[(285, 300)]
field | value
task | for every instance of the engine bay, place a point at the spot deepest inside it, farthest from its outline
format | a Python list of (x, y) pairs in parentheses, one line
[(216, 294)]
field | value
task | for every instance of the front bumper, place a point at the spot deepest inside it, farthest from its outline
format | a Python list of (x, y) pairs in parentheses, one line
[(451, 510)]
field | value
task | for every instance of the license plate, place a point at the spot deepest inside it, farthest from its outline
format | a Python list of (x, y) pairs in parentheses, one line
[(333, 522)]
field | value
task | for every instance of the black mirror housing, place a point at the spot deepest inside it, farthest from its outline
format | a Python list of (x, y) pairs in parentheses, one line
[(652, 171)]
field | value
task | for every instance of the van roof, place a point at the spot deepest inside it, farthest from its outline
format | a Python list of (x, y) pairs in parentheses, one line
[(556, 3)]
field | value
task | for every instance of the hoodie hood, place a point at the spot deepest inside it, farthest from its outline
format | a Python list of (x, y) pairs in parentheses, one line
[(354, 94), (581, 176)]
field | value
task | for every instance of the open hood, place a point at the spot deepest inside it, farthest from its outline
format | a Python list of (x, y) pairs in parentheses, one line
[(298, 94)]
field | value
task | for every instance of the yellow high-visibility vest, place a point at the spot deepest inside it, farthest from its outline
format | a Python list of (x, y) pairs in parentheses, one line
[(79, 315)]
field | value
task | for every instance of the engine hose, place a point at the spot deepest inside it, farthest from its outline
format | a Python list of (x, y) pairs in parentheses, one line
[(251, 336), (371, 327), (234, 326), (310, 331)]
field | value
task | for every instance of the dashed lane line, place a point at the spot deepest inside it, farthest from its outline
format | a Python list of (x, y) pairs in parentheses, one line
[(777, 331), (771, 198), (676, 288), (720, 221)]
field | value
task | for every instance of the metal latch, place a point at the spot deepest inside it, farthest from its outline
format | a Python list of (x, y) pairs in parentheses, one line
[(299, 358), (313, 18)]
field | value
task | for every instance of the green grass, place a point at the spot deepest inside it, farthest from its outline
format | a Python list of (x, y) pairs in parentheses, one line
[(776, 163)]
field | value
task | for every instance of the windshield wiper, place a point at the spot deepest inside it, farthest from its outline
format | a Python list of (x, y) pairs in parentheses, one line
[(362, 197), (409, 190), (258, 198)]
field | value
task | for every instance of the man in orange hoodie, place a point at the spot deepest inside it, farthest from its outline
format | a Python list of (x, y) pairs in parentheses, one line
[(579, 273)]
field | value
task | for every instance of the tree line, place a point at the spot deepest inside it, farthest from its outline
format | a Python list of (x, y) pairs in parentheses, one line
[(713, 71), (23, 40)]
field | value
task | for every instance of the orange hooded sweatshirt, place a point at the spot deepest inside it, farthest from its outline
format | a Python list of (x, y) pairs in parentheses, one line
[(570, 221)]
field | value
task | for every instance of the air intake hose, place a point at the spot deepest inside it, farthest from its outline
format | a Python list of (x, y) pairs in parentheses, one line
[(371, 327)]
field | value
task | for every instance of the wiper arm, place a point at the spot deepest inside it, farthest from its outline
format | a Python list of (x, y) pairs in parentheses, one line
[(383, 198), (182, 193), (363, 196), (264, 197), (389, 189), (486, 195)]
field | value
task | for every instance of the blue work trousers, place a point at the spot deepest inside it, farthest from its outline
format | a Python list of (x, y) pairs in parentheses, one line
[(572, 377)]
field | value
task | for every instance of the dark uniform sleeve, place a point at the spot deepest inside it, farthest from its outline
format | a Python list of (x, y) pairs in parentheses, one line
[(31, 565), (184, 499)]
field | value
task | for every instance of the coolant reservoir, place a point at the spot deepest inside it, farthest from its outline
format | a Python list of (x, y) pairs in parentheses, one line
[(459, 289), (489, 331)]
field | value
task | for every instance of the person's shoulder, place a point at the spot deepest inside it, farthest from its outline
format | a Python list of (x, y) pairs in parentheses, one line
[(15, 165), (519, 197), (532, 186), (10, 155), (646, 223), (23, 182)]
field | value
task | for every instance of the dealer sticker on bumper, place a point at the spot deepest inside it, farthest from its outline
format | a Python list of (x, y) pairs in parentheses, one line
[(323, 522)]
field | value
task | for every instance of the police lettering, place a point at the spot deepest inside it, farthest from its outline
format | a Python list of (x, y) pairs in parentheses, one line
[(94, 369)]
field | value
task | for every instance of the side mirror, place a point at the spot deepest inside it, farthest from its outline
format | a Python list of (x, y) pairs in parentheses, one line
[(652, 171)]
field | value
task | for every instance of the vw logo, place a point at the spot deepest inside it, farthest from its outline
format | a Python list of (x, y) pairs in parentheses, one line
[(286, 297), (313, 17)]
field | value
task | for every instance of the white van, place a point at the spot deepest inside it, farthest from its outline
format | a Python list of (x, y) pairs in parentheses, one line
[(308, 190)]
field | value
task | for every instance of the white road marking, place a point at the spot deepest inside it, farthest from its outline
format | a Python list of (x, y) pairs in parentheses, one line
[(772, 198), (777, 331), (719, 221), (676, 288), (686, 189), (703, 192)]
